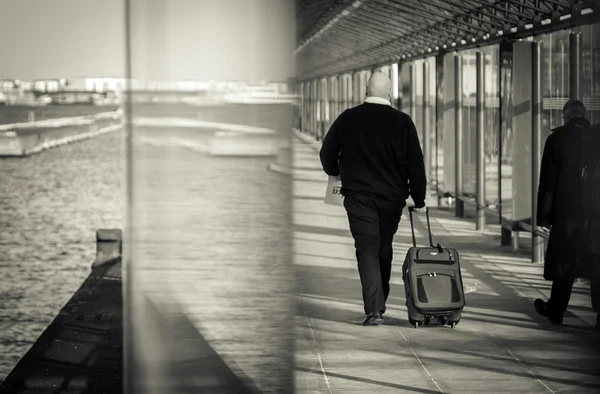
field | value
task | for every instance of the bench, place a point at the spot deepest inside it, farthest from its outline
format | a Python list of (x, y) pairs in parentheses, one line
[(510, 232)]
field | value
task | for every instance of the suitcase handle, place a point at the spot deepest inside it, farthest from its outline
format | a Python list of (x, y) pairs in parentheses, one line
[(412, 229)]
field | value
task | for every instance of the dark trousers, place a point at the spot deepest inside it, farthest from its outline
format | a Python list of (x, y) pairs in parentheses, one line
[(563, 286), (373, 224)]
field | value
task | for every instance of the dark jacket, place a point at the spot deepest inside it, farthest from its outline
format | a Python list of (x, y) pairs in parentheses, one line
[(375, 150), (569, 196)]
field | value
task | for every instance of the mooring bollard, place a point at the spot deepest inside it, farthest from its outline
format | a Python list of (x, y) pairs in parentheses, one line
[(108, 246)]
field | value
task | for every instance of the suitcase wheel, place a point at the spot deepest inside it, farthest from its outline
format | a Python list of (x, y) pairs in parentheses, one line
[(414, 323)]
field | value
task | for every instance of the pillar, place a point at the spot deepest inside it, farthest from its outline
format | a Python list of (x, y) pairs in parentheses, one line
[(480, 138), (341, 96), (536, 145), (425, 125), (458, 135), (314, 108), (413, 91)]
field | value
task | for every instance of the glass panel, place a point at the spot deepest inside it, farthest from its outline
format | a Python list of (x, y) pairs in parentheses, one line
[(407, 89), (341, 86), (469, 116), (418, 88), (555, 79), (356, 83), (315, 110), (430, 121), (590, 71), (320, 114), (350, 90), (395, 83), (205, 220), (447, 127), (506, 131), (306, 112), (439, 129), (492, 124)]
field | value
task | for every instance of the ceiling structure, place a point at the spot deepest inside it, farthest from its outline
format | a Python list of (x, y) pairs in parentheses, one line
[(336, 36)]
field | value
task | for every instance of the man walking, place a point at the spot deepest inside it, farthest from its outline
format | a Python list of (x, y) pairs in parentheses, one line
[(569, 205), (375, 150)]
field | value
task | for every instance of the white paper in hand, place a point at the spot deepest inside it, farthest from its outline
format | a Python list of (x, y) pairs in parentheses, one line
[(333, 195)]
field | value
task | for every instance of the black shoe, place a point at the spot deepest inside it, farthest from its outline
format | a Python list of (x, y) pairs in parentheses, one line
[(373, 319), (542, 308)]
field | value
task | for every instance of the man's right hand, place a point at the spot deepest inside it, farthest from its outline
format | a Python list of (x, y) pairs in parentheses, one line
[(423, 209)]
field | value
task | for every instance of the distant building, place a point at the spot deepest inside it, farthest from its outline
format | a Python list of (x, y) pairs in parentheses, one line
[(96, 84), (49, 85), (10, 85)]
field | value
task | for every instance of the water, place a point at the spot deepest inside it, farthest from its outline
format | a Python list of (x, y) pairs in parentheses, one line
[(51, 205), (215, 227)]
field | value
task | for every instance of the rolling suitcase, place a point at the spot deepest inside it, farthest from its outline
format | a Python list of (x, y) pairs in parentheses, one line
[(433, 282)]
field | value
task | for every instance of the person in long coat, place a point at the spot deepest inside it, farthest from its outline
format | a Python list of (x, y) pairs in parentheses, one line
[(569, 206)]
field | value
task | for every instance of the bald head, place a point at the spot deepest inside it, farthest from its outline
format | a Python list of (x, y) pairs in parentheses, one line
[(379, 85), (573, 109)]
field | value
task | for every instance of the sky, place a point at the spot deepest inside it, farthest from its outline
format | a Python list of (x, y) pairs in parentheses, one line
[(171, 39)]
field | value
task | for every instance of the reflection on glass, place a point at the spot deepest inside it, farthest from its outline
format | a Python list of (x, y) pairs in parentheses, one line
[(208, 281)]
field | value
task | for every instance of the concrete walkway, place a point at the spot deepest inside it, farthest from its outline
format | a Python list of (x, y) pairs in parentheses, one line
[(82, 349), (500, 346)]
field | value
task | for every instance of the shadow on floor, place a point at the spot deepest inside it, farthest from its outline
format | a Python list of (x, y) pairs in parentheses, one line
[(187, 363)]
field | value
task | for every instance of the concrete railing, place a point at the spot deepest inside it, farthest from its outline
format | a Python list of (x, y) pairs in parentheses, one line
[(23, 139), (109, 246)]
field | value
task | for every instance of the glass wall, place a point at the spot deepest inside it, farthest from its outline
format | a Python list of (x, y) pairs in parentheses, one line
[(348, 92), (418, 82), (590, 70), (506, 130), (332, 99), (394, 78), (438, 160), (322, 108), (492, 125), (469, 116), (430, 122), (555, 78), (339, 98), (187, 218)]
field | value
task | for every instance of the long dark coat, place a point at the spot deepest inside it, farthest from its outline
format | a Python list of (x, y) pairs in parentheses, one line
[(569, 197)]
